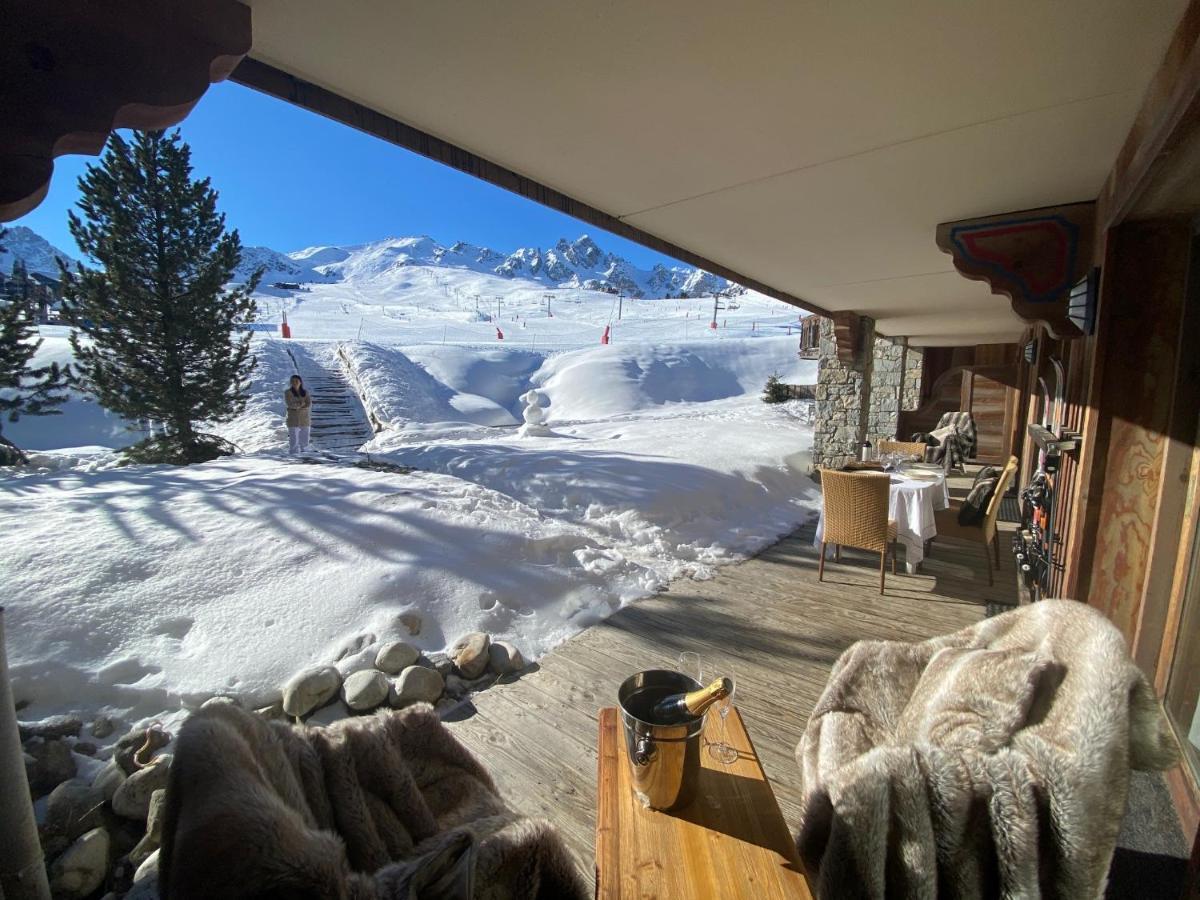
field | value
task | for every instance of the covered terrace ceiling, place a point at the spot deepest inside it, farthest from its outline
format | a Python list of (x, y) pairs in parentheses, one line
[(811, 146)]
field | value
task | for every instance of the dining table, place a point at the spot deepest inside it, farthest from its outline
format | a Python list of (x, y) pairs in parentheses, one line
[(915, 493)]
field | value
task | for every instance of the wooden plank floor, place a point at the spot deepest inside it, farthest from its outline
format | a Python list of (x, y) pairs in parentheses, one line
[(766, 621)]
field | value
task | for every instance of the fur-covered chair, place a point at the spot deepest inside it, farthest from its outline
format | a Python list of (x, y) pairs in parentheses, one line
[(992, 762), (955, 439), (383, 807)]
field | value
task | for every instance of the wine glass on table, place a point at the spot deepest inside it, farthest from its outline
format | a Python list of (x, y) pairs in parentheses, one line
[(723, 751)]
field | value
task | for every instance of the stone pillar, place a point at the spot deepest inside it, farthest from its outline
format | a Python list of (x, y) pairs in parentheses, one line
[(914, 367), (843, 397), (887, 376)]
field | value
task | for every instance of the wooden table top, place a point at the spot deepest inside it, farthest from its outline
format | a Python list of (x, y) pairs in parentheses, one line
[(730, 842)]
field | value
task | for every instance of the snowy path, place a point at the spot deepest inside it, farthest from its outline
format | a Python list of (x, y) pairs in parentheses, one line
[(339, 421)]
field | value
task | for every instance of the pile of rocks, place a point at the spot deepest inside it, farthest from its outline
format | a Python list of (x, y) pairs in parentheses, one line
[(397, 674), (101, 832)]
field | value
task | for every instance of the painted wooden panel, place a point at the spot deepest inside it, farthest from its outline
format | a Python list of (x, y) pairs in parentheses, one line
[(1145, 301)]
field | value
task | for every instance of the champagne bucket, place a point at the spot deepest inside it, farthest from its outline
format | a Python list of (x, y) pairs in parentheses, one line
[(664, 759)]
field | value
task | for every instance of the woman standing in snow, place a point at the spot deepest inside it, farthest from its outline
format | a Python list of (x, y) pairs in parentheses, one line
[(299, 419)]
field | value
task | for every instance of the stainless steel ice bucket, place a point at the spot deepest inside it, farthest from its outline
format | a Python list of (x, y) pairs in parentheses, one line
[(665, 759)]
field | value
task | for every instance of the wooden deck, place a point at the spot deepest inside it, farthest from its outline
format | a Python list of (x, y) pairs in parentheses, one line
[(767, 622)]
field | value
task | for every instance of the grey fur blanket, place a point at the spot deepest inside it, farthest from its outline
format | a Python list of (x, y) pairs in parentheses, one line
[(992, 762), (388, 806)]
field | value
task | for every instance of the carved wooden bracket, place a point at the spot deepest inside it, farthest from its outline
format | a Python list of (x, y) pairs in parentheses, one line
[(848, 336), (72, 71), (1033, 257)]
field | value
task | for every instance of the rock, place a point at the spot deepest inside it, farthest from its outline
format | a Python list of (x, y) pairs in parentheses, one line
[(141, 850), (411, 622), (311, 689), (48, 763), (153, 837), (274, 711), (145, 880), (362, 661), (111, 777), (82, 868), (504, 658), (86, 748), (365, 690), (132, 798), (51, 727), (355, 645), (102, 727), (470, 654), (219, 699), (158, 805), (417, 684), (123, 836), (456, 687), (72, 808), (139, 744), (395, 656), (439, 662)]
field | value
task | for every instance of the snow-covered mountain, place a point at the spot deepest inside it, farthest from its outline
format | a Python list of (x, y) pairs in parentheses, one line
[(38, 254), (276, 266), (578, 264)]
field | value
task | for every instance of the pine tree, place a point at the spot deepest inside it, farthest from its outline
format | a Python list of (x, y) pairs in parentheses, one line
[(775, 390), (24, 390), (20, 287), (155, 337)]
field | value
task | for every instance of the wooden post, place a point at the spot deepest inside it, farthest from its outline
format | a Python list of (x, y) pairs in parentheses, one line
[(22, 868)]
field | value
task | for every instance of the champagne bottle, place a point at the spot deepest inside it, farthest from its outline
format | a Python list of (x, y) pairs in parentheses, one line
[(681, 707)]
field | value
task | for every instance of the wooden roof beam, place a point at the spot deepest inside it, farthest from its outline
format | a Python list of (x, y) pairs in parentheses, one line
[(72, 71)]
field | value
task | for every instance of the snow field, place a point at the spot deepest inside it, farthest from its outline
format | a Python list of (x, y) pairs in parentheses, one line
[(143, 590)]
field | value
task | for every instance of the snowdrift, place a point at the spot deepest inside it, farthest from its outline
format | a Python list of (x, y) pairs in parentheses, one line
[(80, 422), (405, 388), (617, 380)]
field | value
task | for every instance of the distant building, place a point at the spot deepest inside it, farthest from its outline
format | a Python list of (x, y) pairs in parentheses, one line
[(810, 337)]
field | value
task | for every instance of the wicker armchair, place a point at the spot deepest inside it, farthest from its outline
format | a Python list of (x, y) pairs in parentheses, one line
[(912, 448), (856, 515), (985, 532)]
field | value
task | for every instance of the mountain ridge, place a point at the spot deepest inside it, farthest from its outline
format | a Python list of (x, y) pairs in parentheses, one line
[(578, 264)]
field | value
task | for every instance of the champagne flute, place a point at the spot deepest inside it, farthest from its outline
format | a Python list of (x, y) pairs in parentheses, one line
[(722, 750), (689, 665)]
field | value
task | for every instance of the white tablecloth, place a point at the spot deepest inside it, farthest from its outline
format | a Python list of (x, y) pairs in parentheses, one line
[(911, 503)]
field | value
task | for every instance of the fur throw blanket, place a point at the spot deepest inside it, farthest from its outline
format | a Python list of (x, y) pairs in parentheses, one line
[(992, 762), (375, 808)]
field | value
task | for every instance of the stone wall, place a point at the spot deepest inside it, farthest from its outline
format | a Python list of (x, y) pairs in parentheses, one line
[(910, 393), (842, 395), (887, 376)]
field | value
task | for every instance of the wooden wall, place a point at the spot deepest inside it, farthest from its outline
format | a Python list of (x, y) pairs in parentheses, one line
[(982, 379), (1142, 302)]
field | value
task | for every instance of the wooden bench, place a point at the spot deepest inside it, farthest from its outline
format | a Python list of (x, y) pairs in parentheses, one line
[(730, 842)]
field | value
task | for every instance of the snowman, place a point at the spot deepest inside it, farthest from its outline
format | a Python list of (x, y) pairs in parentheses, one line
[(534, 415)]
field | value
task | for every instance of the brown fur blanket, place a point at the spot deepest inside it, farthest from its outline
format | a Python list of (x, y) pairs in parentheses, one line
[(992, 762), (388, 806)]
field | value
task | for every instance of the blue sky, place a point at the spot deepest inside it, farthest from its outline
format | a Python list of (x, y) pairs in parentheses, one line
[(290, 179)]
